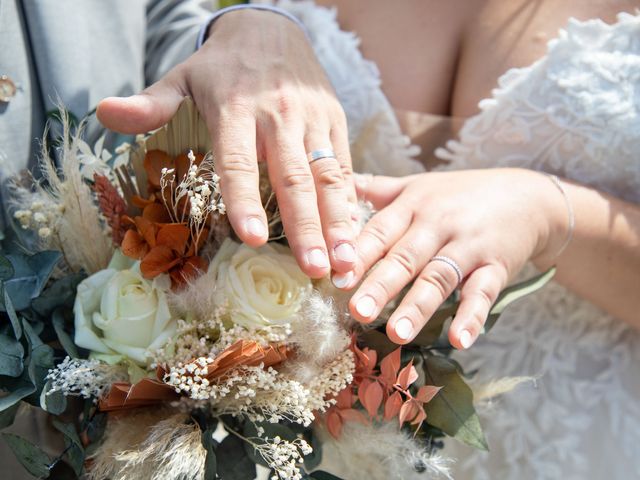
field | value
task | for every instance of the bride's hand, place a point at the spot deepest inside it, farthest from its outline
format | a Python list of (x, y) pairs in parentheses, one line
[(264, 96), (489, 222)]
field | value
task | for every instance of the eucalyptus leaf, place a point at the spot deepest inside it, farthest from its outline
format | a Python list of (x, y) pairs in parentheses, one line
[(31, 274), (13, 317), (314, 459), (32, 458), (75, 450), (210, 463), (8, 416), (233, 461), (516, 292), (11, 357), (452, 410), (61, 293), (63, 337), (32, 337), (40, 362), (17, 388), (6, 269), (52, 402)]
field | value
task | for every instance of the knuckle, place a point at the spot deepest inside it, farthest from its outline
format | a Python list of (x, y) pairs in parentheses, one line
[(297, 177), (329, 177), (238, 163), (405, 257), (306, 227), (381, 291), (443, 283), (282, 106), (375, 232)]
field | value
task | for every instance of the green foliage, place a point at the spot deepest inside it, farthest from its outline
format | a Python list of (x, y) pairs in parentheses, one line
[(233, 461), (8, 415), (210, 463), (52, 402), (64, 338), (74, 448), (452, 410), (6, 269), (515, 292), (32, 458), (11, 356), (31, 273)]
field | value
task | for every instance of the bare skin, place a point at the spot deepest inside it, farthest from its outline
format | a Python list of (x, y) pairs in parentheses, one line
[(262, 94), (469, 45)]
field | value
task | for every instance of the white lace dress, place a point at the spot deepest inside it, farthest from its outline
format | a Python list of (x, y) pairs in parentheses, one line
[(576, 113)]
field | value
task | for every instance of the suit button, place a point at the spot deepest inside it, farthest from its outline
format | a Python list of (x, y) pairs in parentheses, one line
[(7, 89)]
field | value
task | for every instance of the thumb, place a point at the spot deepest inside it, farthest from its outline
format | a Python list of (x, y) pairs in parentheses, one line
[(378, 189), (148, 110)]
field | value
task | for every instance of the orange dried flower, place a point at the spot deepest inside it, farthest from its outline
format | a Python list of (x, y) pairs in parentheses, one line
[(112, 206)]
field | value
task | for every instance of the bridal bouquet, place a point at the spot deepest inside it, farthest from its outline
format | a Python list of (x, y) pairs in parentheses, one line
[(162, 348)]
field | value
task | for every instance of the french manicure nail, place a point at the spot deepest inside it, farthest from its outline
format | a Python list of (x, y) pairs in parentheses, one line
[(465, 339), (366, 306), (317, 258), (342, 280), (404, 328), (255, 227), (345, 253)]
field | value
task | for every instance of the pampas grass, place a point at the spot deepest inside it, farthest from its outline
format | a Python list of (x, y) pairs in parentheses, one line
[(78, 231), (149, 444), (379, 451)]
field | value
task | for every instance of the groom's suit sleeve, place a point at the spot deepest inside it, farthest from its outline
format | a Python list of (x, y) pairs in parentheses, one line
[(172, 31)]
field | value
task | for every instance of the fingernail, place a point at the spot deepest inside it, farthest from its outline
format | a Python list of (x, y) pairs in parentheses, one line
[(317, 258), (342, 280), (404, 328), (366, 306), (255, 227), (345, 253), (465, 339)]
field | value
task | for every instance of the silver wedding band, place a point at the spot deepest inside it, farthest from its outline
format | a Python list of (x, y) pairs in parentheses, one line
[(321, 153), (452, 263)]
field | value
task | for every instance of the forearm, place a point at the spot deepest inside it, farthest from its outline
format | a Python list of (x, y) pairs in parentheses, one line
[(602, 261)]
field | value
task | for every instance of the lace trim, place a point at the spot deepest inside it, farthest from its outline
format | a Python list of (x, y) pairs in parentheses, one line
[(575, 112)]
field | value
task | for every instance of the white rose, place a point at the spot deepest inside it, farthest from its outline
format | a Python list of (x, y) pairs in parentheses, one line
[(262, 286), (118, 312)]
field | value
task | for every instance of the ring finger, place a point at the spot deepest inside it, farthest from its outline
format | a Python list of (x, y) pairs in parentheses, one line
[(399, 267), (439, 278), (333, 202)]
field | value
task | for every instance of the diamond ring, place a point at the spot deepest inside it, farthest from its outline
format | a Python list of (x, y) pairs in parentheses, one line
[(452, 263)]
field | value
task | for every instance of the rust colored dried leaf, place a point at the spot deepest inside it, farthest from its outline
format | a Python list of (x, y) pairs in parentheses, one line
[(352, 415), (156, 213), (147, 391), (154, 162), (392, 406), (147, 229), (334, 424), (389, 366), (408, 411), (160, 259), (175, 236), (426, 393), (134, 246), (373, 399), (407, 376)]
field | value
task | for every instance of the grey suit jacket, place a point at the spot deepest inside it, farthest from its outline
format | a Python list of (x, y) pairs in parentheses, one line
[(80, 51)]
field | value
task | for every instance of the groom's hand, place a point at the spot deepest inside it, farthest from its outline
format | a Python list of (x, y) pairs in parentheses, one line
[(264, 96)]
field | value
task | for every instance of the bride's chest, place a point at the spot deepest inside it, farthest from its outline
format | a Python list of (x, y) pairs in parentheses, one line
[(444, 57)]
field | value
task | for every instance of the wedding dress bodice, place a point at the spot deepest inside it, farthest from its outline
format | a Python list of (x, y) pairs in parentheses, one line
[(575, 113)]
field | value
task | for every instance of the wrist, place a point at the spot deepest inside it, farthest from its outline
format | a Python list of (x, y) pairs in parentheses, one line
[(558, 220), (239, 18)]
